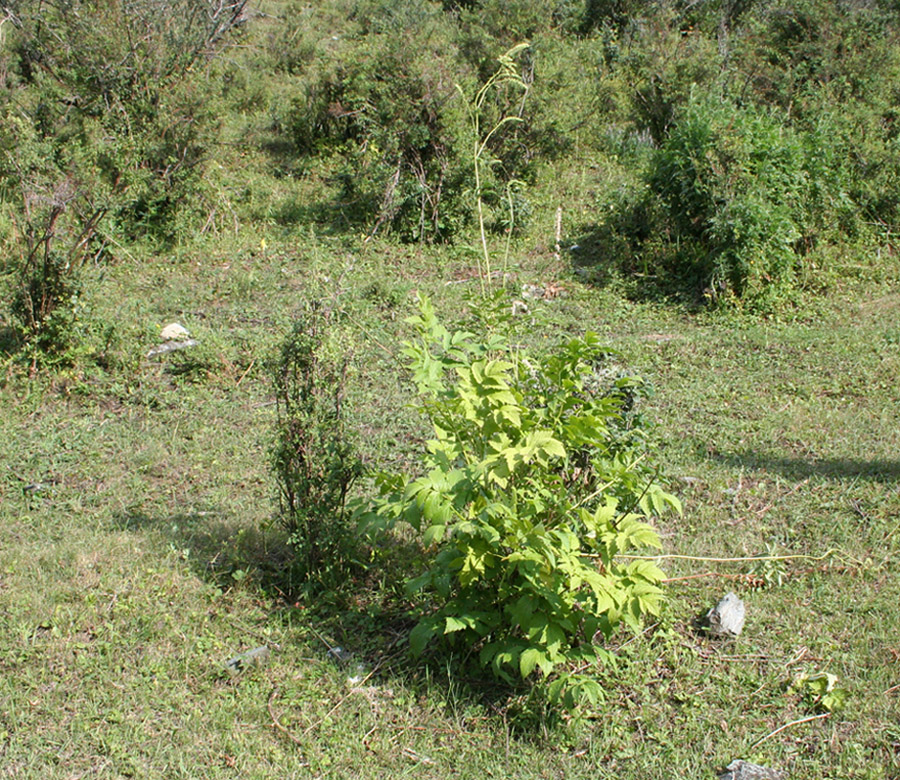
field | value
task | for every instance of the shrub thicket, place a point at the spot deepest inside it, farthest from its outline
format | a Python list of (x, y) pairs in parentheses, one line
[(104, 128), (381, 104), (733, 181), (774, 134), (115, 90)]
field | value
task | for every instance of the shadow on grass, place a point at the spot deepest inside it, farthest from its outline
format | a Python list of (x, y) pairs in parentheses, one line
[(367, 614), (330, 215), (219, 549), (605, 256), (878, 470)]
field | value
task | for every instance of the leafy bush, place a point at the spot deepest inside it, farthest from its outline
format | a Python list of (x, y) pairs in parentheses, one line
[(379, 106), (313, 457), (734, 183), (789, 50), (756, 166), (661, 63), (103, 131), (532, 487), (380, 103), (53, 224)]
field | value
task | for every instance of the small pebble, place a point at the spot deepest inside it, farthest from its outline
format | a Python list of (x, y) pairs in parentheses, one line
[(744, 770)]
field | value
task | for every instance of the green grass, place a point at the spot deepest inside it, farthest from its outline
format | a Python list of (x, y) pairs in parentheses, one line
[(138, 554)]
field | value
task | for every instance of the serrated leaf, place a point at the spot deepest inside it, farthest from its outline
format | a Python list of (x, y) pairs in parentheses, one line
[(556, 689), (453, 624), (544, 442), (555, 637), (646, 570), (529, 659)]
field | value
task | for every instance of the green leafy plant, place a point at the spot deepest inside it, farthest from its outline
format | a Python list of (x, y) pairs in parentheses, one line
[(313, 457), (820, 691), (116, 94), (533, 485), (53, 223), (379, 106), (54, 242)]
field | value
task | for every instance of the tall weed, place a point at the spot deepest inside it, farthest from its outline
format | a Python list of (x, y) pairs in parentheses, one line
[(314, 457)]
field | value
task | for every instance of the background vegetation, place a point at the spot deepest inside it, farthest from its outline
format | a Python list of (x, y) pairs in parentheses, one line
[(708, 187)]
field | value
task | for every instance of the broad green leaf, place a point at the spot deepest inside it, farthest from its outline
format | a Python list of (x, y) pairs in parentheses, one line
[(835, 699), (646, 570), (421, 635), (543, 442), (529, 659), (555, 637), (522, 611)]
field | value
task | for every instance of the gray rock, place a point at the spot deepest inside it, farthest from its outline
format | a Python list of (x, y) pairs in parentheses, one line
[(744, 770), (339, 655), (727, 617), (171, 346), (258, 656)]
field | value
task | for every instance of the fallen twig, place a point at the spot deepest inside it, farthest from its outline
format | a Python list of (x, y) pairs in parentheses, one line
[(746, 559), (252, 632), (891, 690), (340, 701), (723, 575), (751, 579), (365, 739), (788, 725), (241, 379), (278, 726)]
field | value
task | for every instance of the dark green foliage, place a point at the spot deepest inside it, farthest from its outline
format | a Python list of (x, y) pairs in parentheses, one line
[(104, 129), (115, 91), (53, 223), (45, 302), (382, 104), (661, 64), (774, 128), (384, 109), (313, 458), (733, 181), (790, 50), (835, 69)]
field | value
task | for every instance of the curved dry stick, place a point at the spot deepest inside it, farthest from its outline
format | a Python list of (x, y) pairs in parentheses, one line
[(277, 725), (788, 725)]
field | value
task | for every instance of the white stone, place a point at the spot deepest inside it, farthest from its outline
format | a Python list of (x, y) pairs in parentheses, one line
[(727, 617), (744, 770), (174, 332)]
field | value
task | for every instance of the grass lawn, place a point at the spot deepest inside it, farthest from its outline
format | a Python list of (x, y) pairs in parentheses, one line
[(137, 554)]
